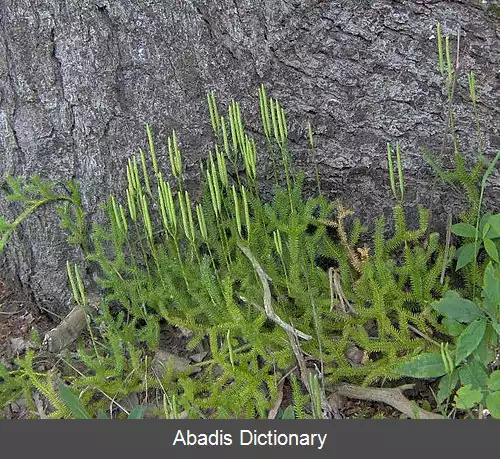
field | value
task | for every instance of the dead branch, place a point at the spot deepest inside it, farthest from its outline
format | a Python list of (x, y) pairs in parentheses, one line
[(337, 292), (274, 410), (390, 396), (269, 311)]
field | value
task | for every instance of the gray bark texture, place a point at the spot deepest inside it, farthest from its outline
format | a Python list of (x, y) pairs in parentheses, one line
[(79, 80)]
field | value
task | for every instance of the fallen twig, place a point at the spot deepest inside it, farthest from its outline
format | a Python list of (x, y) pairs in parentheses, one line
[(304, 374), (393, 397), (269, 311), (337, 292), (274, 410), (423, 335)]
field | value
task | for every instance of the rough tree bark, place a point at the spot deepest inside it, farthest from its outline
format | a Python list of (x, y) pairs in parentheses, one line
[(79, 80)]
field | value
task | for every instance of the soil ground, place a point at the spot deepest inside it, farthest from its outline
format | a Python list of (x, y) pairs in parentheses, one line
[(19, 319)]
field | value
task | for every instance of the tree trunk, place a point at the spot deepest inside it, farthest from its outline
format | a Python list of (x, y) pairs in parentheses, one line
[(79, 80)]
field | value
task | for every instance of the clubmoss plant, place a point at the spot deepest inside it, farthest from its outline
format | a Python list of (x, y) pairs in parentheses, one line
[(252, 285)]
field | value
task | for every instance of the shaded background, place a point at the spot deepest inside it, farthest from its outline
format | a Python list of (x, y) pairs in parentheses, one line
[(80, 79)]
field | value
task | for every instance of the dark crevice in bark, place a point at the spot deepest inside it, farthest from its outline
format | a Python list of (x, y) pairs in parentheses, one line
[(10, 120)]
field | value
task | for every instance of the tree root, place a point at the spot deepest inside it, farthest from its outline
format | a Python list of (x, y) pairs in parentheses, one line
[(66, 332), (390, 396), (70, 328)]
